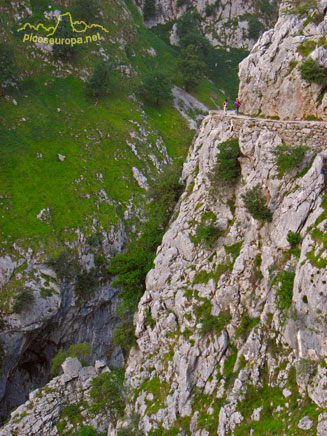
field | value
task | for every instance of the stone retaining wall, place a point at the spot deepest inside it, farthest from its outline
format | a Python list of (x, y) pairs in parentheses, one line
[(310, 133)]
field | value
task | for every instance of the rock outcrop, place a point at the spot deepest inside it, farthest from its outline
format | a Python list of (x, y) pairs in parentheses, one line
[(216, 350), (270, 77), (56, 318), (225, 23), (44, 413)]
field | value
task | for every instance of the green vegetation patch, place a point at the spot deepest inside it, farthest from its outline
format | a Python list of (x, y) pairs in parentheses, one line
[(108, 394), (155, 88), (23, 300), (306, 47), (124, 335), (201, 403), (159, 389), (206, 232), (312, 72), (204, 276), (255, 203), (234, 249), (83, 352), (228, 168), (286, 158), (210, 324), (303, 7), (284, 291), (273, 422), (246, 325)]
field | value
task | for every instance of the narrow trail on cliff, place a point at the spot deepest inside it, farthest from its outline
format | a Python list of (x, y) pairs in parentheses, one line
[(231, 114)]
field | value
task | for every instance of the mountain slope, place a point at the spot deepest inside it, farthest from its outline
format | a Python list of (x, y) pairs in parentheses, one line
[(226, 23)]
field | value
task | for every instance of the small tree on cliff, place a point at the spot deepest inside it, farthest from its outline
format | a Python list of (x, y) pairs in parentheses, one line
[(255, 203), (312, 72)]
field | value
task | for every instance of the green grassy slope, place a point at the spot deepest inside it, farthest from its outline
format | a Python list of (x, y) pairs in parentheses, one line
[(54, 115)]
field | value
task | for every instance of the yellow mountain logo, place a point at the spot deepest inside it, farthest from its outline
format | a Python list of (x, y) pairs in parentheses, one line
[(77, 26)]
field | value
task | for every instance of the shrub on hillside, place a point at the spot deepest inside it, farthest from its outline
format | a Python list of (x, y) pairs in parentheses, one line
[(191, 68), (133, 428), (246, 325), (210, 10), (210, 323), (189, 32), (286, 157), (306, 47), (303, 8), (86, 10), (155, 88), (206, 232), (86, 430), (269, 9), (83, 352), (23, 300), (8, 69), (149, 9), (108, 395), (65, 52), (228, 169), (312, 72), (284, 291), (124, 336), (99, 82), (131, 267), (255, 27), (87, 283), (293, 238), (181, 3), (65, 265), (255, 203)]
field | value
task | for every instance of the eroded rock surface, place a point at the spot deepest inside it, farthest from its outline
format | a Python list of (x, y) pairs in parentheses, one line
[(270, 77), (225, 23), (186, 374), (40, 415)]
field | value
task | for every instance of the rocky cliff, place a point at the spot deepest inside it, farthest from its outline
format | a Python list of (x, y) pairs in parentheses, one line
[(220, 352), (225, 23), (57, 406), (231, 335), (55, 319), (73, 181), (231, 330), (272, 80)]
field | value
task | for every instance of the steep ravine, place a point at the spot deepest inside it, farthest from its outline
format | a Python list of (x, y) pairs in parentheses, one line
[(266, 367), (231, 335), (258, 366), (56, 320)]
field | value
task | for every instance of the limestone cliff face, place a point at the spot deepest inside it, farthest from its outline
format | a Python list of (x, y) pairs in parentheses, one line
[(215, 350), (225, 22), (260, 360), (270, 77), (56, 319), (44, 413)]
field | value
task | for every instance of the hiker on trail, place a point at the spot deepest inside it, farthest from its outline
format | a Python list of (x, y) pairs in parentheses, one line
[(225, 104), (237, 105)]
